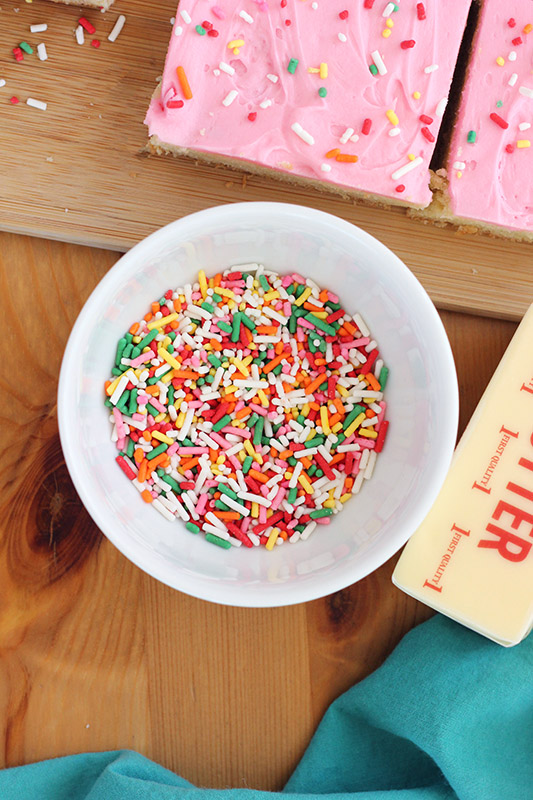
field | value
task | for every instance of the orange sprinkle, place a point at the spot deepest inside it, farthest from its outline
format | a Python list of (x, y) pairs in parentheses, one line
[(189, 464), (138, 455), (528, 28), (213, 454), (333, 153), (346, 157), (372, 381), (310, 388), (323, 296), (258, 476), (147, 496), (244, 412), (153, 390), (307, 462), (227, 515), (186, 373), (147, 436), (155, 308), (147, 317), (266, 330), (162, 460), (350, 327), (274, 363), (143, 469), (134, 328), (184, 83), (336, 459)]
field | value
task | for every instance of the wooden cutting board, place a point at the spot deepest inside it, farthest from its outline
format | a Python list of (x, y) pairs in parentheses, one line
[(77, 171)]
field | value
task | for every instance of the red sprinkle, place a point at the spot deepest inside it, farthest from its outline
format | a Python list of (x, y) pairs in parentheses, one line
[(368, 3), (288, 22), (381, 436), (89, 27), (517, 41), (421, 11), (14, 100), (95, 43), (17, 52), (499, 121), (425, 119), (511, 22), (344, 14), (426, 133), (125, 467), (174, 103), (252, 116), (400, 188), (207, 25), (407, 44), (283, 3), (509, 148), (367, 125), (213, 33)]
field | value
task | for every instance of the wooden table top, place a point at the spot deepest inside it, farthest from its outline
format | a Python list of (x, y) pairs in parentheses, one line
[(96, 655)]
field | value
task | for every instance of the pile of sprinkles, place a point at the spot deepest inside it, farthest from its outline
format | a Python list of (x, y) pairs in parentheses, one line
[(249, 405)]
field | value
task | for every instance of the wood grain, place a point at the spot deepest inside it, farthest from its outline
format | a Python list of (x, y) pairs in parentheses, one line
[(96, 655), (86, 179)]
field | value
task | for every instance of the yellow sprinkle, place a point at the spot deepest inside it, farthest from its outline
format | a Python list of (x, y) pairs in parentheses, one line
[(303, 297), (324, 421), (305, 410), (160, 417), (521, 143), (166, 341), (265, 402), (272, 539), (389, 23), (323, 70), (386, 33), (181, 419), (271, 296), (255, 510), (500, 61), (202, 280), (136, 339), (411, 156), (247, 360), (344, 497), (162, 353), (368, 433), (342, 390), (313, 70), (113, 385), (459, 174), (167, 377), (235, 43), (221, 459), (329, 504), (236, 51), (305, 483), (224, 292), (355, 424), (337, 427), (417, 95), (162, 437), (242, 367), (242, 306), (392, 117), (251, 452), (231, 304)]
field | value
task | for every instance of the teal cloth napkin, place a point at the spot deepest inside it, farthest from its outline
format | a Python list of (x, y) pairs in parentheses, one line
[(449, 715)]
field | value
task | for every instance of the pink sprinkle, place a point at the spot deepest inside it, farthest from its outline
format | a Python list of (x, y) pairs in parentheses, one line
[(237, 432), (218, 12), (202, 502), (173, 449)]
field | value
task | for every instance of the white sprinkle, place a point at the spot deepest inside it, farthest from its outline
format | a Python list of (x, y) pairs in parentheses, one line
[(230, 97), (314, 6), (172, 20), (325, 167), (525, 126), (273, 78), (178, 30), (431, 68), (216, 73), (158, 505), (394, 132), (399, 173), (41, 52), (265, 104), (185, 16), (378, 61), (441, 107), (512, 56), (36, 103), (2, 82), (40, 28), (513, 79), (387, 11), (246, 17), (80, 36), (342, 37), (226, 68), (303, 134), (119, 24), (370, 466), (459, 165), (526, 91), (354, 138), (346, 135)]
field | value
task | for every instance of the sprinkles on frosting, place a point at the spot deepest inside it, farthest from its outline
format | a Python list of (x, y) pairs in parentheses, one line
[(304, 73), (248, 405)]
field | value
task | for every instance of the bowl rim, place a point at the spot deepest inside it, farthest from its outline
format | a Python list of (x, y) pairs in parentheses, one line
[(228, 594)]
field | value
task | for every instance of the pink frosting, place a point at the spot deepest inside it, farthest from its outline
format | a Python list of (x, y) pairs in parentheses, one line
[(416, 83), (491, 179)]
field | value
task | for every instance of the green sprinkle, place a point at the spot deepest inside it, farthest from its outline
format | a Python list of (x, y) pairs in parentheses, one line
[(264, 283), (293, 494), (130, 447), (222, 506), (247, 321), (210, 537), (383, 377), (208, 307), (120, 349), (226, 420), (258, 430), (192, 527), (152, 409), (200, 30), (319, 473), (157, 451), (499, 104), (200, 381), (236, 327), (321, 512), (216, 362), (250, 422), (247, 463), (147, 339), (123, 402), (320, 324), (312, 469), (172, 483), (226, 490), (322, 92), (373, 69), (132, 406), (292, 461), (471, 137), (315, 442), (108, 403), (293, 63), (25, 46), (116, 371), (224, 326), (216, 297), (128, 337), (127, 351), (352, 415)]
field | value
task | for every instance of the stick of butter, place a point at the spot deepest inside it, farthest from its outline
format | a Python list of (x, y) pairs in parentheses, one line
[(472, 557)]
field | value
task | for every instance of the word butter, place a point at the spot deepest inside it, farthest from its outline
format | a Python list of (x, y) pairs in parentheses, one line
[(472, 557)]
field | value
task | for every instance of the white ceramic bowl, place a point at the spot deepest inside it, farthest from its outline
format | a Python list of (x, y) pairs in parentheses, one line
[(422, 400)]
